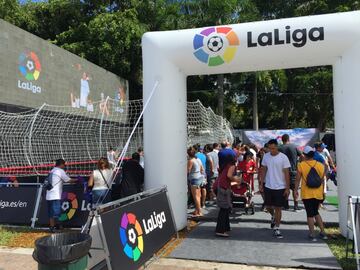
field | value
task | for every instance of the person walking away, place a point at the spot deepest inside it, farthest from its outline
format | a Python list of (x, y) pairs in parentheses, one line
[(290, 150), (321, 148), (141, 153), (312, 195), (132, 176), (202, 157), (209, 170), (253, 149), (320, 157), (195, 172), (226, 177), (53, 196), (213, 156), (275, 174), (111, 157), (100, 182), (216, 148), (223, 154), (262, 152)]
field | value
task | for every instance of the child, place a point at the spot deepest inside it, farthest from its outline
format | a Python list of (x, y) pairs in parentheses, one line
[(248, 167)]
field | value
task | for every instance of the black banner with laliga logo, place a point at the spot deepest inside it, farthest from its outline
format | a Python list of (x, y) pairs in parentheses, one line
[(134, 232), (17, 204), (75, 206)]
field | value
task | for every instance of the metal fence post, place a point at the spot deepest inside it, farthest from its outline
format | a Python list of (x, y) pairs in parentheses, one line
[(37, 206), (101, 126), (28, 151)]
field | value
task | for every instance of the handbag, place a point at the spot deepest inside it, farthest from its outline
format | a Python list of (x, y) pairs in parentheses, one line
[(223, 196)]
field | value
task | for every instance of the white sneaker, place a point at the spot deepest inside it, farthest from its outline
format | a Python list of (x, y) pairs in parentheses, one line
[(278, 234)]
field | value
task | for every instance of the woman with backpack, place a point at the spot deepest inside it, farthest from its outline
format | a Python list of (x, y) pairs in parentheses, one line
[(311, 175), (227, 175), (100, 181)]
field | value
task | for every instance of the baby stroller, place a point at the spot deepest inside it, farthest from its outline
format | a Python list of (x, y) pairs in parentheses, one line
[(242, 197)]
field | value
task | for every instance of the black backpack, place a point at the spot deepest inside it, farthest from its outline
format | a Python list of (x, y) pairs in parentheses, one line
[(313, 179), (48, 182)]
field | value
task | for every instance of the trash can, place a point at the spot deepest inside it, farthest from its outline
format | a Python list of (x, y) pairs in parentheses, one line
[(62, 251)]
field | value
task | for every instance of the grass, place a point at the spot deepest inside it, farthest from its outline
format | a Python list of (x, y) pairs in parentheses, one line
[(333, 200), (6, 236), (337, 245), (19, 237)]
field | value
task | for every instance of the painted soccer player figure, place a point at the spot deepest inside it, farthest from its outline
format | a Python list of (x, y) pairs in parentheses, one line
[(275, 174), (84, 90)]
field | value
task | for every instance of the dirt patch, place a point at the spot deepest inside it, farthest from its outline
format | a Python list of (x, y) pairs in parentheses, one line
[(26, 239)]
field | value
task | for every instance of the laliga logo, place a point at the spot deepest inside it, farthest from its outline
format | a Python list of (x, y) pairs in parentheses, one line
[(298, 38), (30, 68), (131, 232), (69, 205), (131, 236), (215, 46)]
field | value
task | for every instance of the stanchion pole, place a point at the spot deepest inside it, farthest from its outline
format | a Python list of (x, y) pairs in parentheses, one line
[(351, 226), (355, 235), (103, 240), (37, 206)]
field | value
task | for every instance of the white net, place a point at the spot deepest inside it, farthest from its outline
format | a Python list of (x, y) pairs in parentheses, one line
[(31, 141), (205, 127)]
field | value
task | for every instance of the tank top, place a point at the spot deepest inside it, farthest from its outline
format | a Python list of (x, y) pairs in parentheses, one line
[(99, 181), (195, 169)]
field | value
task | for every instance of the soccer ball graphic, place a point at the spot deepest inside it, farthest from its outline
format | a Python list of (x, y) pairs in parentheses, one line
[(132, 236), (30, 65), (65, 206), (215, 43)]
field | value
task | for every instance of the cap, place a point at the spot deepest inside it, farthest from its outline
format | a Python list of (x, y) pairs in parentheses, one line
[(308, 149), (320, 145)]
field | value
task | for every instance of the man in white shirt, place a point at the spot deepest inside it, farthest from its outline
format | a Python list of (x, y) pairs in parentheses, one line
[(53, 196), (275, 173)]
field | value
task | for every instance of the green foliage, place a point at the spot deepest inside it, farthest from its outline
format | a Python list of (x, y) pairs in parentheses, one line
[(108, 33)]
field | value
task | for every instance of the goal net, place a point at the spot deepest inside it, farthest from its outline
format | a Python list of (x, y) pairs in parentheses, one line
[(31, 141)]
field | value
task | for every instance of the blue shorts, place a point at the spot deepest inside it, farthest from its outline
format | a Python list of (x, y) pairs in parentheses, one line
[(54, 208), (196, 182)]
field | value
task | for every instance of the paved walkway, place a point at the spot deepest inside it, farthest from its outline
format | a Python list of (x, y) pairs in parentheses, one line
[(252, 243), (178, 264), (16, 259)]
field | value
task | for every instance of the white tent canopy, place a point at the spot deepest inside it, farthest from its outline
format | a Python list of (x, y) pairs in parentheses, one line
[(169, 57)]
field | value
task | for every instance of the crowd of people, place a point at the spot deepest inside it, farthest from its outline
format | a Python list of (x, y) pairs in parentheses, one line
[(281, 169), (104, 183)]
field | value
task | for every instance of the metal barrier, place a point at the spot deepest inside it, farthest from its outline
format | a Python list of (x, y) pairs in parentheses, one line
[(141, 224), (23, 203)]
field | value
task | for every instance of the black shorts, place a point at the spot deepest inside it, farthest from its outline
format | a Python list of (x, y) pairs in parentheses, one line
[(312, 207), (274, 197)]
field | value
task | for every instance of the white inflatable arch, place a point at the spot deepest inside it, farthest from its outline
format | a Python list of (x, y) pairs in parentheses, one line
[(169, 57)]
